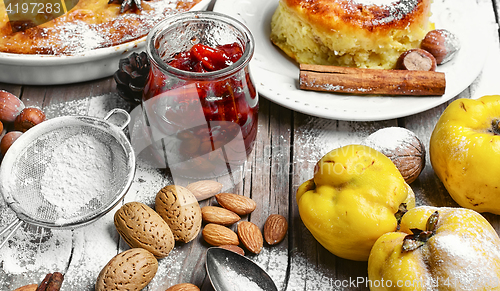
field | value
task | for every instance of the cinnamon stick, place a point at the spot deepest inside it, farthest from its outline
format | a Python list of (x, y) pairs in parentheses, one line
[(43, 285), (55, 282), (371, 81), (51, 282)]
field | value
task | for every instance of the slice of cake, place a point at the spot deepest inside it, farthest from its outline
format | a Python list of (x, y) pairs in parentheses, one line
[(353, 33), (88, 25)]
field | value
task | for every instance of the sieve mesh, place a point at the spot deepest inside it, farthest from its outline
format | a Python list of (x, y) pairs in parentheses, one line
[(28, 164)]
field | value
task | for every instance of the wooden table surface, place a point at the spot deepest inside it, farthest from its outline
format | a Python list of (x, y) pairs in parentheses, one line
[(287, 147)]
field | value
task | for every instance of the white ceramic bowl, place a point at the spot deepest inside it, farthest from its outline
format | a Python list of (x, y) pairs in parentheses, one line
[(54, 70)]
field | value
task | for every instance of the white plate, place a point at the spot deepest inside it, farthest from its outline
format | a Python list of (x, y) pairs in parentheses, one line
[(55, 70), (277, 75)]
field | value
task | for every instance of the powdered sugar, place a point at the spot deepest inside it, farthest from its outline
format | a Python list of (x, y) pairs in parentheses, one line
[(466, 259), (90, 255), (455, 246), (295, 271), (33, 245), (78, 36), (168, 271), (91, 25), (375, 2), (274, 259), (237, 282), (80, 171), (81, 253), (394, 9), (74, 107), (389, 139)]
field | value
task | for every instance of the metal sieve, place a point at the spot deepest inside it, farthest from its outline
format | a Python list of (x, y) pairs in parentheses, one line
[(33, 153)]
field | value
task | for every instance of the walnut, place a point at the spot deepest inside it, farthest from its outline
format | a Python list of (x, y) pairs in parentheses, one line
[(403, 147)]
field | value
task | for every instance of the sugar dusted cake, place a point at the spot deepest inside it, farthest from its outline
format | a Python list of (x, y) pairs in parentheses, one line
[(353, 33), (88, 25)]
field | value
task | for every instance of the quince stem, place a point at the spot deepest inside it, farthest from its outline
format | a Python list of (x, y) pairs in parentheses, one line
[(402, 209), (495, 126), (419, 237)]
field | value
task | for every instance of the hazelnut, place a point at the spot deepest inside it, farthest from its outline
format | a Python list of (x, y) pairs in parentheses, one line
[(442, 44), (8, 139), (10, 106), (416, 60), (403, 147), (3, 130), (29, 117)]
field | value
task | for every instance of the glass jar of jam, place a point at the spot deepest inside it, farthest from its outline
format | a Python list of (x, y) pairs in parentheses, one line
[(200, 101)]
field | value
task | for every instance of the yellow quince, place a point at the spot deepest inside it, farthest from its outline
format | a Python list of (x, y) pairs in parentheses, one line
[(465, 152), (356, 195), (437, 249)]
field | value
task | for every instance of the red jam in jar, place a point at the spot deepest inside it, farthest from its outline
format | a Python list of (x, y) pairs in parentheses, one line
[(202, 58), (200, 101)]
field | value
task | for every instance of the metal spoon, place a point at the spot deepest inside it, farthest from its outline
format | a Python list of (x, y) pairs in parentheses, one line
[(229, 271)]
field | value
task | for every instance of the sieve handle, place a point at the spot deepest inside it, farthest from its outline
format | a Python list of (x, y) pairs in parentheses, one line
[(13, 226), (118, 111)]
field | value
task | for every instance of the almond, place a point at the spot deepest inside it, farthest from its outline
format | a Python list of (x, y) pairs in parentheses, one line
[(141, 227), (204, 189), (239, 204), (250, 236), (184, 287), (30, 287), (132, 269), (275, 229), (217, 235), (218, 215), (180, 209), (233, 248)]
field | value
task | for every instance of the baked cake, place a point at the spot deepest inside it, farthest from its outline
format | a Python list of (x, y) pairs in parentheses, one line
[(89, 25), (353, 33)]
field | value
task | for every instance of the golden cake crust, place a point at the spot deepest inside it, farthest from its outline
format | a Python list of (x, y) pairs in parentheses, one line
[(349, 33), (89, 25), (330, 14)]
